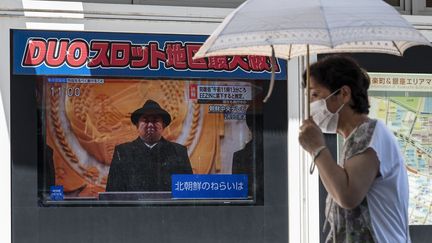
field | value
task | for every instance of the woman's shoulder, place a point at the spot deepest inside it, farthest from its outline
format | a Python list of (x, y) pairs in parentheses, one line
[(381, 130), (373, 131), (360, 139), (365, 131)]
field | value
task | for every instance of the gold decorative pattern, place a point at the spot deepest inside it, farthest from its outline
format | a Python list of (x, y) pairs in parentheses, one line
[(58, 129), (194, 126)]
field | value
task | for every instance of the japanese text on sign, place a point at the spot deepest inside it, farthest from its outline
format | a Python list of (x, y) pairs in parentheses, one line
[(231, 112), (210, 186), (218, 93), (76, 53), (206, 186), (400, 82), (227, 109)]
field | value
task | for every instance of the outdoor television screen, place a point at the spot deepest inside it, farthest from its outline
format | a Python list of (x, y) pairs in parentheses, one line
[(157, 141)]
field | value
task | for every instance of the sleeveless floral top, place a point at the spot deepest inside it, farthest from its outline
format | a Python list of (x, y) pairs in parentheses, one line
[(351, 225)]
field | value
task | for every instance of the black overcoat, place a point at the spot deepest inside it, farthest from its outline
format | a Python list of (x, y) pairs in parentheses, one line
[(136, 167)]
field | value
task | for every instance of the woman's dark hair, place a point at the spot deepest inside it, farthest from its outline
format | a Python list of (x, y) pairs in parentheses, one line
[(335, 71)]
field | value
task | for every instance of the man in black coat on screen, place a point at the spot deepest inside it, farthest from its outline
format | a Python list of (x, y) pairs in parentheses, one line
[(147, 163)]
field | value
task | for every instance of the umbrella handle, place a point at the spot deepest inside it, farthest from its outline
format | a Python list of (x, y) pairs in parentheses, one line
[(312, 166), (272, 79)]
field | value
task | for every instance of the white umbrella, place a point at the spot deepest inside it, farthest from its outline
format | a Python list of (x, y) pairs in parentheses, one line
[(292, 28)]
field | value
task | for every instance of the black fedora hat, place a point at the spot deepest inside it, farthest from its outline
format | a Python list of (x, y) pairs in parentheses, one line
[(151, 107)]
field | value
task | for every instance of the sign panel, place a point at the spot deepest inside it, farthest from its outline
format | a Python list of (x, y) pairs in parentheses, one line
[(129, 55)]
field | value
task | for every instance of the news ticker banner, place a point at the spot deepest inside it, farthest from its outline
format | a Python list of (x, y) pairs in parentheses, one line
[(189, 186), (78, 53), (400, 82), (218, 186)]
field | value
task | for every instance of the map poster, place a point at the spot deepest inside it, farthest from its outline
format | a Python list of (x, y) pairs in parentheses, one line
[(404, 103)]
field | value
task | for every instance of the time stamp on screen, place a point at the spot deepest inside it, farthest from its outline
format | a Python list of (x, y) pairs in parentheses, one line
[(63, 91)]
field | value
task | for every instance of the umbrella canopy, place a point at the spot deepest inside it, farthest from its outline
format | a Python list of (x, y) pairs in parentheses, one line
[(290, 28), (327, 26)]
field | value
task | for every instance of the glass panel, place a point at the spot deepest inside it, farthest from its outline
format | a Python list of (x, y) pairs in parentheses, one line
[(428, 3), (192, 3), (395, 3), (100, 1), (404, 103)]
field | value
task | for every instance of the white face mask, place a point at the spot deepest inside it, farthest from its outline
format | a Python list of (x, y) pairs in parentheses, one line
[(325, 119)]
